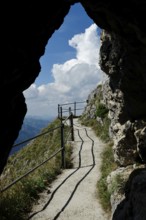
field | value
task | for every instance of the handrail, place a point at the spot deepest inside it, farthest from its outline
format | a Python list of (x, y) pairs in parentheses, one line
[(79, 108), (70, 103), (53, 155), (82, 101), (62, 110), (62, 149), (65, 110), (67, 136), (15, 145), (66, 119), (30, 171)]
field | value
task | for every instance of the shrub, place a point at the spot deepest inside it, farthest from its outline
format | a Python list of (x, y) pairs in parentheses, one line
[(101, 110)]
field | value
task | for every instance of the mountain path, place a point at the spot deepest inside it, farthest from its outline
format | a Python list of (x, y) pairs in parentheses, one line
[(73, 195)]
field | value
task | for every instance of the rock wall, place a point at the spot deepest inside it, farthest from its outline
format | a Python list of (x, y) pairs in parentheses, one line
[(127, 128), (26, 28), (93, 99), (133, 205)]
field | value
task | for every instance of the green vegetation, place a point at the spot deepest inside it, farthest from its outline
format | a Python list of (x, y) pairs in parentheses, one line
[(16, 202), (101, 111), (108, 165), (118, 184), (101, 128)]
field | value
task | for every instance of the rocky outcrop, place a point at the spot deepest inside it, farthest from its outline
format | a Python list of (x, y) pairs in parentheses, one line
[(128, 124), (127, 120), (134, 203), (128, 135), (92, 101)]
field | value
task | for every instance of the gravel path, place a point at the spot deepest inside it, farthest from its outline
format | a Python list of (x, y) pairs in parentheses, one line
[(73, 195)]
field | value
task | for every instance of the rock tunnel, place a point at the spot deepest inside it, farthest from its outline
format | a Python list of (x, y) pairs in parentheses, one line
[(26, 28)]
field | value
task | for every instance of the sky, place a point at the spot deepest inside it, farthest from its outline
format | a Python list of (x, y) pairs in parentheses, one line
[(69, 67)]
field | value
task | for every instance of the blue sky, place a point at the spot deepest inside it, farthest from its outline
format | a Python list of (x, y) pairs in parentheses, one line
[(69, 67), (58, 50)]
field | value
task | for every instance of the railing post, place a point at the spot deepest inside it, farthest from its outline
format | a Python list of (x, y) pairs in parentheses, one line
[(69, 111), (71, 125), (63, 165), (74, 108), (61, 114), (58, 111)]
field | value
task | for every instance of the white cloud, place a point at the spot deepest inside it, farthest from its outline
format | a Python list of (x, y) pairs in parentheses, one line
[(87, 45), (73, 80)]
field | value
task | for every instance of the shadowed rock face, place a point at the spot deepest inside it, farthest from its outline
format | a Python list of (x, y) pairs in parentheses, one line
[(133, 206), (26, 28)]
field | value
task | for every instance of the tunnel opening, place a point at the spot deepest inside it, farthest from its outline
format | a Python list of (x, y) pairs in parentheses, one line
[(69, 67)]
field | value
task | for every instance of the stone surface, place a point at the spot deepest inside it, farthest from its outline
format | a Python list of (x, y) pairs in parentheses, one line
[(26, 29), (133, 206), (127, 146)]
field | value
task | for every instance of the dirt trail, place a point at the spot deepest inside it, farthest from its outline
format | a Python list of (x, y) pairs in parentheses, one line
[(73, 194)]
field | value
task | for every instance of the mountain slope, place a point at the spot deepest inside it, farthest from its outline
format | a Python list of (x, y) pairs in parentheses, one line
[(31, 127), (17, 200)]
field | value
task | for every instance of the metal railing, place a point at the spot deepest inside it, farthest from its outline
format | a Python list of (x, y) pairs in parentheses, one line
[(72, 106), (62, 149), (63, 122)]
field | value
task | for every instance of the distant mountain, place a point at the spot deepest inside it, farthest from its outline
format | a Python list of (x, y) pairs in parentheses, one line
[(31, 127)]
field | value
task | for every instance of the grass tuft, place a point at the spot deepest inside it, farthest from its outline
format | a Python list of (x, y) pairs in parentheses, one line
[(101, 128), (108, 165)]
